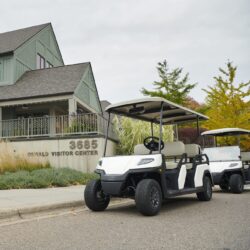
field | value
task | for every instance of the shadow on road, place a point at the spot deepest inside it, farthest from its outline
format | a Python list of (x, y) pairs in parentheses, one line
[(219, 191), (167, 206)]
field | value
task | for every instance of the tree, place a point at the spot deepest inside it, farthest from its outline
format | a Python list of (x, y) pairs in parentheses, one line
[(228, 103), (132, 132), (172, 85)]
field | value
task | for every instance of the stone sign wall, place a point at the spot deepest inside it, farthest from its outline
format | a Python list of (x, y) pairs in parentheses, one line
[(80, 154)]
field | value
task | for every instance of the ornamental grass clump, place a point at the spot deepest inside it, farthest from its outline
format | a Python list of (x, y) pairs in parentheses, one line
[(13, 163)]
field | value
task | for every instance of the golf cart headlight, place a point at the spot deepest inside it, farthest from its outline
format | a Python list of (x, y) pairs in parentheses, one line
[(145, 161)]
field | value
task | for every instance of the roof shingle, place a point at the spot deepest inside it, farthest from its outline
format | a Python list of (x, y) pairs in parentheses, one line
[(45, 82), (10, 41)]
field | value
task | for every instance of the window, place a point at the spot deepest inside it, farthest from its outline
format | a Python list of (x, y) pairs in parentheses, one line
[(40, 62), (48, 64)]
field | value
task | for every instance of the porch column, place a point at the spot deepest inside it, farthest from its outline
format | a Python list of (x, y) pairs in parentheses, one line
[(72, 110), (52, 121), (72, 106), (1, 118)]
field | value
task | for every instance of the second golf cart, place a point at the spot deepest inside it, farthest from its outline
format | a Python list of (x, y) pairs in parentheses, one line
[(157, 170), (229, 165)]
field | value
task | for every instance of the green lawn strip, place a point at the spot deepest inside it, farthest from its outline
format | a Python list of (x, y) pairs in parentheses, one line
[(43, 178)]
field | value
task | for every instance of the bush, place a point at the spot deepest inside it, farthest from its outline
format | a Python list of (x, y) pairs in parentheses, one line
[(43, 178), (132, 132)]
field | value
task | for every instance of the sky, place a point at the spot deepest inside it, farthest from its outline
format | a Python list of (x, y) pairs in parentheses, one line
[(124, 40)]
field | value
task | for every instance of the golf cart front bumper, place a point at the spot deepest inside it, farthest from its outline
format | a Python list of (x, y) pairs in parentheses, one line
[(112, 184)]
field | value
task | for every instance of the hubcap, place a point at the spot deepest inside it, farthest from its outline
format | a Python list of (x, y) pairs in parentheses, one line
[(155, 197), (209, 189), (240, 185), (100, 195)]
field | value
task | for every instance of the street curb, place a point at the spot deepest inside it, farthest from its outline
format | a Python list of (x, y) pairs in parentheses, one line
[(7, 214)]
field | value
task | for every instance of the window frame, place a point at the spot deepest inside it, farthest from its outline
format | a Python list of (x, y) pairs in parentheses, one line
[(40, 62)]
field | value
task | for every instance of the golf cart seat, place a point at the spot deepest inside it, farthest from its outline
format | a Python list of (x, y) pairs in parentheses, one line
[(245, 156), (173, 151), (191, 150), (140, 149)]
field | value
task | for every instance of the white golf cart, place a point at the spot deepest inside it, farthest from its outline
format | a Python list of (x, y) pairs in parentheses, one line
[(229, 166), (157, 170)]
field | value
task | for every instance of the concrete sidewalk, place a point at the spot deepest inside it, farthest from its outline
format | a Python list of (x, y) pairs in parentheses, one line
[(24, 201)]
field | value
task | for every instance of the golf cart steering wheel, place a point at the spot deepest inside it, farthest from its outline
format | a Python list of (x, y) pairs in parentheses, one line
[(152, 143)]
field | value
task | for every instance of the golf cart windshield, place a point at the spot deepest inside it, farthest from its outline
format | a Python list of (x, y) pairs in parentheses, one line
[(229, 153)]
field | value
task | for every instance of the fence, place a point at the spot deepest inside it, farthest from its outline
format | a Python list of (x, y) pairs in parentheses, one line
[(49, 126)]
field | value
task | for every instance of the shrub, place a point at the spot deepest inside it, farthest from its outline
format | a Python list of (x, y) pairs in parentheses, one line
[(132, 132), (43, 178)]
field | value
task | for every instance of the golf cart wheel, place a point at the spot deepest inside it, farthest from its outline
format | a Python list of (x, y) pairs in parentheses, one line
[(224, 186), (236, 183), (148, 197), (94, 197), (206, 195)]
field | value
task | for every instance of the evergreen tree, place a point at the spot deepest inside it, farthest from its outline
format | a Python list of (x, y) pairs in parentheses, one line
[(172, 86)]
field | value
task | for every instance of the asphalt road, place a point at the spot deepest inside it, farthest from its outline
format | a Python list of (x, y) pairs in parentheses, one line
[(184, 223)]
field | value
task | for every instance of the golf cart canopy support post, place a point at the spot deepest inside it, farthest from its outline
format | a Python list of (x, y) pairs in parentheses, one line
[(160, 134), (107, 134)]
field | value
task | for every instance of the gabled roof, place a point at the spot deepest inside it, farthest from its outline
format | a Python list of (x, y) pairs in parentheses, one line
[(10, 41), (45, 82), (148, 109)]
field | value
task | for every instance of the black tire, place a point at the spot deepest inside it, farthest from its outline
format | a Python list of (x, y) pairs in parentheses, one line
[(207, 194), (224, 186), (148, 197), (95, 199), (236, 183)]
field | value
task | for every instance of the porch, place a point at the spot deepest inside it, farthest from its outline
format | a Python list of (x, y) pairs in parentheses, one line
[(51, 119)]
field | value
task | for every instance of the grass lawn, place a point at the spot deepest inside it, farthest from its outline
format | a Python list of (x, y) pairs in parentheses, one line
[(43, 178)]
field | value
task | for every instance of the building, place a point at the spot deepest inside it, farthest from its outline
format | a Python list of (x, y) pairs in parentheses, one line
[(45, 102)]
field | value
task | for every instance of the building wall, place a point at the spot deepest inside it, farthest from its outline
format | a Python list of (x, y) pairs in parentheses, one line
[(43, 43), (13, 66), (87, 92), (81, 154)]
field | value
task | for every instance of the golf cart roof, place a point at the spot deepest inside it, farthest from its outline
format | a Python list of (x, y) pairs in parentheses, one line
[(227, 132), (148, 109)]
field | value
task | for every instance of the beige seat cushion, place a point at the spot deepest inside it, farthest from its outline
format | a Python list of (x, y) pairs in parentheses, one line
[(171, 164), (173, 149), (189, 165), (192, 150), (140, 149), (245, 156)]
